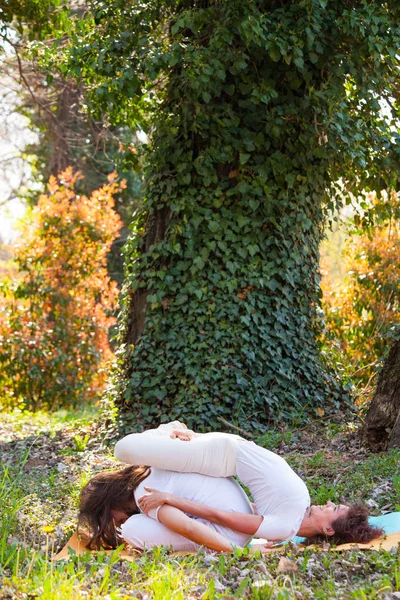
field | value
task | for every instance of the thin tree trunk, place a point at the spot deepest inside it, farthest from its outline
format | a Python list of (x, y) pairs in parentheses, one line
[(382, 424), (156, 227)]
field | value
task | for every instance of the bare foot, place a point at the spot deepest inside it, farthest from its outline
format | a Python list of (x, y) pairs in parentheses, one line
[(181, 434), (263, 548)]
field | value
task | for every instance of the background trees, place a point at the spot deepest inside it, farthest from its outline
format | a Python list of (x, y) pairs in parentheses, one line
[(54, 106), (362, 309), (54, 323), (255, 113), (362, 314)]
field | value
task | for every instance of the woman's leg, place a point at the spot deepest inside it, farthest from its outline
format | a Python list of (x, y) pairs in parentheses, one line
[(210, 454), (143, 532)]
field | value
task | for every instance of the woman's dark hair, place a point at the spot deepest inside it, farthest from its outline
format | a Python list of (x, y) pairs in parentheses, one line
[(102, 494), (351, 529)]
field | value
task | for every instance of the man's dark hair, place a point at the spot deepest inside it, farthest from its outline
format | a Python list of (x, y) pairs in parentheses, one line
[(350, 529)]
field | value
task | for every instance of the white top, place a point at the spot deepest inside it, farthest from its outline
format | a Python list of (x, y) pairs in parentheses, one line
[(219, 492), (280, 496)]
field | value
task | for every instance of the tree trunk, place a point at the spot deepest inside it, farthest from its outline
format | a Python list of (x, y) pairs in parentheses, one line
[(382, 424), (156, 227)]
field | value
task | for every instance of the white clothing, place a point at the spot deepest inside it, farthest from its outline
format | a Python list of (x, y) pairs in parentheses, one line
[(219, 492), (143, 532), (148, 448), (280, 496)]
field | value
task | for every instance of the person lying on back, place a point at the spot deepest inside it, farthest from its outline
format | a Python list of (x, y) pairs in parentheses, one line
[(279, 494)]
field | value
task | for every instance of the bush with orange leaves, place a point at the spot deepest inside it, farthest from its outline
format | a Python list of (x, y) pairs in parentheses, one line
[(363, 310), (54, 321)]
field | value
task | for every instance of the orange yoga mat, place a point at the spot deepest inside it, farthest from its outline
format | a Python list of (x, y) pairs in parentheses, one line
[(385, 542)]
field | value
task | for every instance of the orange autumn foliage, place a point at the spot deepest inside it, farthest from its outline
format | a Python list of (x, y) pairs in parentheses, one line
[(363, 310), (54, 322)]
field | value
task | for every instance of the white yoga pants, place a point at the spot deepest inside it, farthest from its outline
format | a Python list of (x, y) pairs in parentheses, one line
[(212, 454), (143, 532)]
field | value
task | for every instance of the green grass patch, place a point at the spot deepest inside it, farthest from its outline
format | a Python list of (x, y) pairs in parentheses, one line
[(50, 457)]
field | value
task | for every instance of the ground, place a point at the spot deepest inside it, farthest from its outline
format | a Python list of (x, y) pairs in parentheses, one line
[(47, 458)]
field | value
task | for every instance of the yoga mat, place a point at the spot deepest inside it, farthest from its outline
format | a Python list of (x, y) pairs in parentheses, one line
[(78, 545), (390, 522), (385, 542)]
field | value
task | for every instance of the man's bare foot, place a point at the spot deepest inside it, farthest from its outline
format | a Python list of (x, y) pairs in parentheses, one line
[(263, 548)]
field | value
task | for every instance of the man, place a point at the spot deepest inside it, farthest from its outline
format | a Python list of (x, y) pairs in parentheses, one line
[(280, 496)]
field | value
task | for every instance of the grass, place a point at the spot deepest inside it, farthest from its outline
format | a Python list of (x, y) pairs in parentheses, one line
[(46, 459)]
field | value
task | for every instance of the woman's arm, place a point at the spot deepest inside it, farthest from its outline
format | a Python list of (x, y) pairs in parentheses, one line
[(197, 532), (240, 522)]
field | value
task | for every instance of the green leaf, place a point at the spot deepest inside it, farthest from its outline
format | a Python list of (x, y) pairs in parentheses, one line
[(253, 249), (176, 26), (299, 62), (274, 53), (272, 284), (213, 226), (254, 203), (198, 261)]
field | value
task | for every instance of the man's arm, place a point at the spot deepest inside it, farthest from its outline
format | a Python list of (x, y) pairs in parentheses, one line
[(240, 522)]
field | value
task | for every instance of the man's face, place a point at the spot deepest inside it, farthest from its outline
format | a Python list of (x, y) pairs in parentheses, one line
[(324, 515)]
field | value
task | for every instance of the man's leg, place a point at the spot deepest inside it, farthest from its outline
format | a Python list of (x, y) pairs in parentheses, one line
[(212, 454), (166, 428)]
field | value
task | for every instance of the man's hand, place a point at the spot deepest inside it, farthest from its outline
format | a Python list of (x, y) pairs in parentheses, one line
[(182, 434), (152, 500)]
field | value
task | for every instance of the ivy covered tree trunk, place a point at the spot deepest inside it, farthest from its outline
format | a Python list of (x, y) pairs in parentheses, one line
[(255, 110), (382, 423)]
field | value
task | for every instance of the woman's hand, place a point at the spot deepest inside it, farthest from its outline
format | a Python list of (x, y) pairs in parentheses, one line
[(182, 434), (152, 500)]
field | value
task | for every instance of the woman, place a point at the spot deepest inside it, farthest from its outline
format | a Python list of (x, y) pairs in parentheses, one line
[(280, 496), (110, 500)]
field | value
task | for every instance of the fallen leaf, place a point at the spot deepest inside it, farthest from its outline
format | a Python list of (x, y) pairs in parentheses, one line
[(286, 565)]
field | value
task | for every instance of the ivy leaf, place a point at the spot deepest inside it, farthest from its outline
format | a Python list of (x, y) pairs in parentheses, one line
[(272, 284), (254, 203), (274, 53), (213, 226), (199, 262)]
